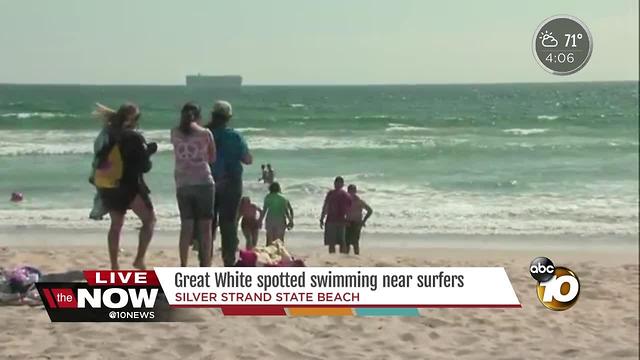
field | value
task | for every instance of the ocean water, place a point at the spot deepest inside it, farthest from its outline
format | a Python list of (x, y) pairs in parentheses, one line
[(430, 159)]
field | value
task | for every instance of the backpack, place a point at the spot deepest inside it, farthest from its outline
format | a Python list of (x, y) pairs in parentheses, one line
[(110, 169)]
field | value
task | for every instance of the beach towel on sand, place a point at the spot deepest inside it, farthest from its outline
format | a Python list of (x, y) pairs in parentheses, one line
[(272, 255), (18, 286)]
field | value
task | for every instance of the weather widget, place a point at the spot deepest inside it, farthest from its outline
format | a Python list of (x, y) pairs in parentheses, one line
[(562, 45)]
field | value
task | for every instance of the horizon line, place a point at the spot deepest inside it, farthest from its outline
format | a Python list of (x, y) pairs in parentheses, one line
[(334, 85)]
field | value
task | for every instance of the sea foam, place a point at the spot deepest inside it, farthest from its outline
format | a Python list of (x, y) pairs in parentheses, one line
[(394, 127), (42, 115), (525, 132)]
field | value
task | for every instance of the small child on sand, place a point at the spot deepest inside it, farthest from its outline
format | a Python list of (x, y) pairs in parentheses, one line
[(249, 224)]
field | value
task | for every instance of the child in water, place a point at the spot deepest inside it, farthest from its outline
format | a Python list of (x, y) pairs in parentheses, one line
[(250, 213)]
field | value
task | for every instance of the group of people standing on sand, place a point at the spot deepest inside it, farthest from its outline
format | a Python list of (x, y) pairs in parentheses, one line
[(343, 216), (208, 173)]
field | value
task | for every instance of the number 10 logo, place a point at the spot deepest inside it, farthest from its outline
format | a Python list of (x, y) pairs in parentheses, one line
[(561, 291)]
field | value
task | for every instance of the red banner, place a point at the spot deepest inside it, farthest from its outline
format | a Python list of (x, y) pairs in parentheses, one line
[(121, 277)]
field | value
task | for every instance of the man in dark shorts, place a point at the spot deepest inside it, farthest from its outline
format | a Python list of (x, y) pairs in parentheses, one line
[(231, 153), (335, 208), (355, 221)]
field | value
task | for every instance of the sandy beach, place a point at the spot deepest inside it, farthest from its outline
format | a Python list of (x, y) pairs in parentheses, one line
[(493, 134), (602, 325)]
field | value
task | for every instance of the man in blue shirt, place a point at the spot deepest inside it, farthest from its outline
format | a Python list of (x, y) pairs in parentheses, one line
[(231, 153)]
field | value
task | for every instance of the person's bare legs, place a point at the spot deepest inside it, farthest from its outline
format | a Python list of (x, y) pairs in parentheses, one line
[(217, 200), (356, 238), (269, 236), (148, 218), (254, 237), (206, 247), (186, 236), (247, 237), (214, 227), (343, 244), (113, 237)]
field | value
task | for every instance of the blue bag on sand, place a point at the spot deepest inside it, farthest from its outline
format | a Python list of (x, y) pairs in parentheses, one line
[(98, 211)]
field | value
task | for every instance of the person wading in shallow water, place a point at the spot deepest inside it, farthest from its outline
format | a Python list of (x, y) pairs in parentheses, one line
[(278, 212), (335, 207), (271, 175), (264, 174), (231, 153), (355, 221)]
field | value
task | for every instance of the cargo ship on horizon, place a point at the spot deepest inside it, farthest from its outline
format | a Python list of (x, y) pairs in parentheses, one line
[(212, 82)]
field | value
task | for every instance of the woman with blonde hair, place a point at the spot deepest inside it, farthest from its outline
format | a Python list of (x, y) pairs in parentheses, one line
[(119, 166)]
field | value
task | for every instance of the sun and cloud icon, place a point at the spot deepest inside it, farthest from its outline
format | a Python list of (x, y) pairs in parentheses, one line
[(548, 40)]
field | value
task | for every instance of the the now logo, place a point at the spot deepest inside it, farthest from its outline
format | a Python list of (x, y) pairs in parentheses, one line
[(119, 289), (558, 287), (117, 298), (121, 295)]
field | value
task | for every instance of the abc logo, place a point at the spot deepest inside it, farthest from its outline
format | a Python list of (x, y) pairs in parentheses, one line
[(558, 287), (542, 269)]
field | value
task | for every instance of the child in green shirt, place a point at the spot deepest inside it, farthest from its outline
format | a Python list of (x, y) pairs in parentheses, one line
[(278, 212)]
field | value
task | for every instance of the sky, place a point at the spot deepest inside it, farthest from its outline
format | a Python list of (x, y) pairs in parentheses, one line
[(303, 41)]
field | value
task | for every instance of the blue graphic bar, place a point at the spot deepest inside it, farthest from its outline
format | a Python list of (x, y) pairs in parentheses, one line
[(387, 312)]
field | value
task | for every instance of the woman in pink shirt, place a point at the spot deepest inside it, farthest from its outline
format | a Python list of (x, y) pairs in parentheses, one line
[(194, 150)]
